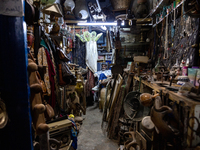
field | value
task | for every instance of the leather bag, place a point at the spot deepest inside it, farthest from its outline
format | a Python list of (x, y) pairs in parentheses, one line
[(49, 113), (44, 89), (62, 55)]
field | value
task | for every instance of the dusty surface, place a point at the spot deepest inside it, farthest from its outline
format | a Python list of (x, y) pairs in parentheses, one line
[(91, 136)]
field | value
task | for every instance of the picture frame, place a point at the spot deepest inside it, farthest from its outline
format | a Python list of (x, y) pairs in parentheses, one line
[(129, 65), (101, 40), (101, 57), (109, 57)]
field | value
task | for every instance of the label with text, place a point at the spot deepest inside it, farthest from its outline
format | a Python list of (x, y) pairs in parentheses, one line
[(11, 8)]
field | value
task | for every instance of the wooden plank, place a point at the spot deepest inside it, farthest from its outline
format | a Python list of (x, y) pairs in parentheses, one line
[(130, 77), (116, 113), (110, 99), (59, 124), (115, 94)]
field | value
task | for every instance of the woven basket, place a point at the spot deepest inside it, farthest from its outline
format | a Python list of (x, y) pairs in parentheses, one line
[(120, 4)]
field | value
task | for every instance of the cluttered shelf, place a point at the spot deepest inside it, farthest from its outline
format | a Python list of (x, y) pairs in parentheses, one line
[(169, 13), (157, 8), (172, 95)]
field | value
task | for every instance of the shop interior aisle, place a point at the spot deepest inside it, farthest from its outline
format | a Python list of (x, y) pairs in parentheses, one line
[(91, 136)]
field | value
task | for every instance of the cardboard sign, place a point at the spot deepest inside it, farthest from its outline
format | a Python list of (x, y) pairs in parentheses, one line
[(11, 8)]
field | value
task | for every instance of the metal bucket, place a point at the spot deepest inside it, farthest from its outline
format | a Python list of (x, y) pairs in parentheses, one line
[(120, 4)]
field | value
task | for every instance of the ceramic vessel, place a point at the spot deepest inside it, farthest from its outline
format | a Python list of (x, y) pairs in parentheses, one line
[(146, 99)]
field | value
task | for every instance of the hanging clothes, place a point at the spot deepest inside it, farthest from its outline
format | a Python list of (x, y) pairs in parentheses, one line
[(79, 53), (42, 60), (54, 64), (52, 98), (91, 48)]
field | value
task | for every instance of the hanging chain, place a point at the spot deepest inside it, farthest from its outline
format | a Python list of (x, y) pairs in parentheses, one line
[(166, 40), (163, 24)]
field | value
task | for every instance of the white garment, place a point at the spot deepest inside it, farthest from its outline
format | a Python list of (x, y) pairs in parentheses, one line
[(106, 72), (91, 55)]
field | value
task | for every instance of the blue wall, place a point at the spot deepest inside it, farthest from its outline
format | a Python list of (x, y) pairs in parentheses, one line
[(14, 86)]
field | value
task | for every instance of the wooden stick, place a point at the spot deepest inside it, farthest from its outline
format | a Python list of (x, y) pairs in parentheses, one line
[(130, 77)]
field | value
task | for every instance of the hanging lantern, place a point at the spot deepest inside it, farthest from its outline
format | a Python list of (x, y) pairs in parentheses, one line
[(81, 10), (69, 5)]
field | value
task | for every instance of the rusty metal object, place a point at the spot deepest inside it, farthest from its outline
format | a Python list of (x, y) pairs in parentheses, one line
[(131, 143), (120, 4)]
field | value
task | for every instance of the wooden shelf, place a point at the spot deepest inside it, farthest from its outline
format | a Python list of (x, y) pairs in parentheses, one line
[(172, 95)]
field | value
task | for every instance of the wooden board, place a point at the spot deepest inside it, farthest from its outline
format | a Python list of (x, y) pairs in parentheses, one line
[(172, 95), (115, 94), (59, 124), (113, 122), (129, 79)]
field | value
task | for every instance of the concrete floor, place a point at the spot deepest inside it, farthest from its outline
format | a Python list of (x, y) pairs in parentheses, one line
[(91, 136)]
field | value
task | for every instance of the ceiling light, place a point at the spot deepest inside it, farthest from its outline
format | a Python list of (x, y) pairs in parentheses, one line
[(98, 24)]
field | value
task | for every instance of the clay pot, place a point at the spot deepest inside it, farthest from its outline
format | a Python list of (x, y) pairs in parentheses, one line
[(146, 99)]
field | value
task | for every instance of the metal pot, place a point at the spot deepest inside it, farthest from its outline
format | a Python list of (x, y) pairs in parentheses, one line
[(120, 4)]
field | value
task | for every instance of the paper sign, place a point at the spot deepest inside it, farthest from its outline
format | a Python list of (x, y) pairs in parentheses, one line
[(11, 7)]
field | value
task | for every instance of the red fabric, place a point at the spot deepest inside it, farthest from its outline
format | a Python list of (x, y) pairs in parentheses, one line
[(52, 73), (90, 82)]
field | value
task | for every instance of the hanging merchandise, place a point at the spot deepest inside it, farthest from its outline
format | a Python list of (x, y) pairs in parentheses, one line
[(81, 10), (69, 5), (91, 48), (188, 28), (30, 36), (60, 21), (166, 55), (53, 9), (42, 60)]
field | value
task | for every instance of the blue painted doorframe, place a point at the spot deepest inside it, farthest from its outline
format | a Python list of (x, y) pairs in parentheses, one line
[(14, 87)]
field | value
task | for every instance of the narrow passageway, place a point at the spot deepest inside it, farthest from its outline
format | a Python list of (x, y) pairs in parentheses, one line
[(91, 136)]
